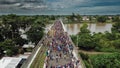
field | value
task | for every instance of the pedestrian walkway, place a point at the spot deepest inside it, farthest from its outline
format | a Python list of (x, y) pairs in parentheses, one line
[(60, 53)]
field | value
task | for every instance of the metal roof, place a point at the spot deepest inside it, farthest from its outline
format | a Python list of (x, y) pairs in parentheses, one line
[(9, 62)]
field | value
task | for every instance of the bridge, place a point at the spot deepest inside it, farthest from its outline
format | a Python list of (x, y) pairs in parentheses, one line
[(55, 50)]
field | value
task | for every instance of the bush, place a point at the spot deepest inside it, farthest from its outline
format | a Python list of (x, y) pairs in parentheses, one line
[(9, 52)]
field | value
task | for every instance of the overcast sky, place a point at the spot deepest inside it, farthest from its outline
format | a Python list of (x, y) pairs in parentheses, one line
[(34, 7)]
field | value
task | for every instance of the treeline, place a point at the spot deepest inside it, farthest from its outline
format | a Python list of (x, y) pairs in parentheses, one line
[(106, 42), (77, 18)]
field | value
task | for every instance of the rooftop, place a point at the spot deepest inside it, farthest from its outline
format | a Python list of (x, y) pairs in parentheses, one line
[(9, 62)]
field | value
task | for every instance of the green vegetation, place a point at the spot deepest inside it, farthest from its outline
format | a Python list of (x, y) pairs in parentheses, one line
[(76, 18), (106, 44), (106, 61), (36, 32), (9, 46), (40, 58), (102, 18), (10, 36), (101, 60)]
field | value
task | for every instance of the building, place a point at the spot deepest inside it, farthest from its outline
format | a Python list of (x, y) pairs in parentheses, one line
[(85, 18), (11, 62), (28, 46)]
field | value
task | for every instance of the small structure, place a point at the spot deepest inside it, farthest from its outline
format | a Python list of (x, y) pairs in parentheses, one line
[(85, 18), (110, 17), (28, 46)]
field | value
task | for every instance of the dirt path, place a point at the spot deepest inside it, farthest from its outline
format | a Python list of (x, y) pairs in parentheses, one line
[(93, 52)]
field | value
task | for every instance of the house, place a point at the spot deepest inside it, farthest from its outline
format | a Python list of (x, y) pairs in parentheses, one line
[(85, 18)]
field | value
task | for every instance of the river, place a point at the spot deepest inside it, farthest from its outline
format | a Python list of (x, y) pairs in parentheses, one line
[(73, 29)]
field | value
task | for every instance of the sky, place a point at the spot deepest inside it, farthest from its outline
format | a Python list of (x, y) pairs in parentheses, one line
[(60, 7)]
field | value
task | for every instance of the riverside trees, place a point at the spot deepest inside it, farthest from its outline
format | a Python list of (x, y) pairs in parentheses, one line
[(102, 42), (105, 42), (85, 38)]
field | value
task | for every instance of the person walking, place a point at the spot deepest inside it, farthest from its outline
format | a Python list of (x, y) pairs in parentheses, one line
[(57, 58)]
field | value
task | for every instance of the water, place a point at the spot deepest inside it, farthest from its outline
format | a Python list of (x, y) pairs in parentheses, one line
[(73, 29)]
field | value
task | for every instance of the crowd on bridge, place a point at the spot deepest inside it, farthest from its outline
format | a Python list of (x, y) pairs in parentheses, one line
[(60, 48)]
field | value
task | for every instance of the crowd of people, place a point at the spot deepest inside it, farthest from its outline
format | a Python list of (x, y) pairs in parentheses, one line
[(59, 53)]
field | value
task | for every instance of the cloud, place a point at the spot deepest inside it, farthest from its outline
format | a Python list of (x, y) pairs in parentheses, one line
[(33, 6), (8, 1), (22, 4), (60, 6), (65, 3)]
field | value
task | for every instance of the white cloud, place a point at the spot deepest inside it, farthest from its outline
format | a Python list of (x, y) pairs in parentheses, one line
[(33, 6)]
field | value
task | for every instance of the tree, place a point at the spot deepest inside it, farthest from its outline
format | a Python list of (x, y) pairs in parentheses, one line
[(1, 49), (52, 17), (116, 27), (36, 32), (84, 30), (20, 41), (9, 46), (79, 18), (97, 37), (110, 36), (1, 38), (26, 21), (116, 43), (9, 52), (105, 60), (85, 38), (102, 19), (116, 18), (10, 28), (86, 42)]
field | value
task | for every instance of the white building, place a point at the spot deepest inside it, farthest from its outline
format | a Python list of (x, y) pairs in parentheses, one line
[(85, 18), (28, 46), (11, 62)]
